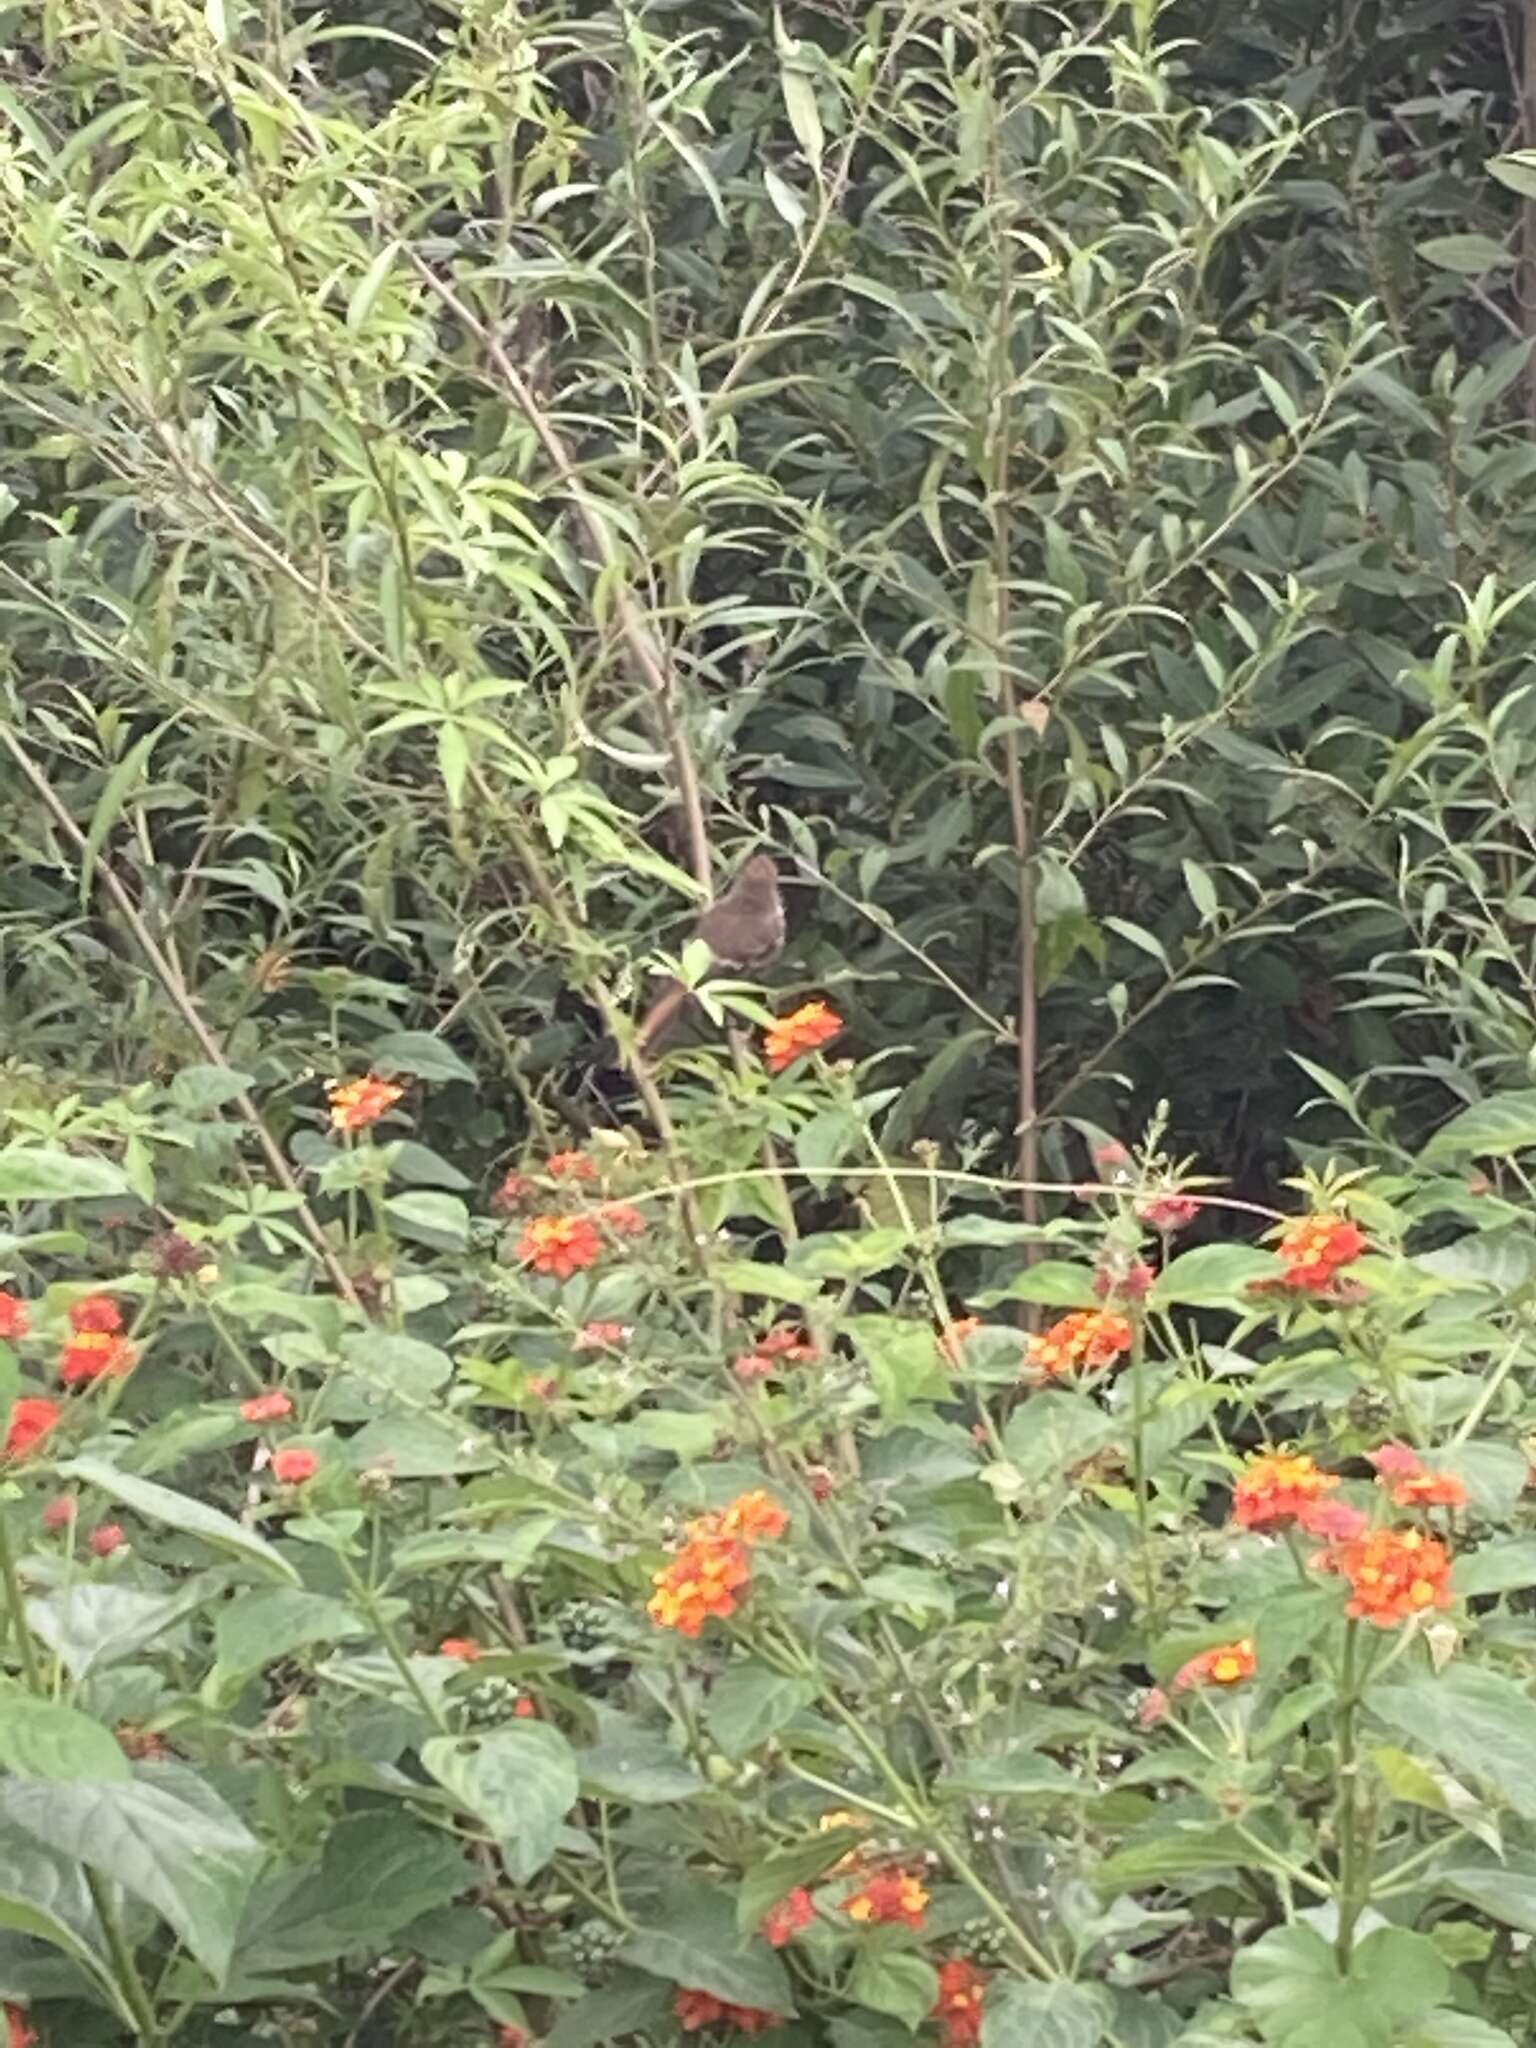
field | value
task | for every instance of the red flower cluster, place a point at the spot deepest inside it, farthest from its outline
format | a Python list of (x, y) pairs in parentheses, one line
[(1226, 1664), (804, 1030), (105, 1538), (695, 2009), (781, 1923), (1411, 1484), (32, 1418), (1168, 1212), (95, 1349), (774, 1351), (962, 1991), (602, 1336), (1313, 1250), (15, 1316), (1279, 1487), (269, 1407), (560, 1245), (293, 1467), (356, 1104), (891, 1896), (465, 1648), (1393, 1574), (17, 2033), (1086, 1338), (714, 1565), (570, 1166)]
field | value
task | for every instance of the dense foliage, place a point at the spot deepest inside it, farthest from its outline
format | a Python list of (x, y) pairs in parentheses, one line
[(977, 1490)]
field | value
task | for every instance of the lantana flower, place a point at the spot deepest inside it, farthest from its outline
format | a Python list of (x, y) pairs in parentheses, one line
[(892, 1897), (781, 1923), (357, 1103), (1277, 1488), (1314, 1248), (560, 1245), (1410, 1482), (15, 1315), (1085, 1338), (1393, 1574), (805, 1030), (696, 2009), (32, 1418), (962, 1992), (1226, 1664)]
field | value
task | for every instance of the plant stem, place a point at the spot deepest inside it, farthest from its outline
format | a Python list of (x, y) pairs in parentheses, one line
[(1354, 1884), (25, 1648), (130, 1983)]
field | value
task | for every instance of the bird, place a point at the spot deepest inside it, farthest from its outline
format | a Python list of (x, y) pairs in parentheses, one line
[(744, 931)]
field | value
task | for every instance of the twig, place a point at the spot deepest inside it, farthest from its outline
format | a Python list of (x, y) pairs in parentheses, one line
[(643, 648), (176, 988)]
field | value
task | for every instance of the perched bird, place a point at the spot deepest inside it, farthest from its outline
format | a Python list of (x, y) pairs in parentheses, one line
[(743, 929)]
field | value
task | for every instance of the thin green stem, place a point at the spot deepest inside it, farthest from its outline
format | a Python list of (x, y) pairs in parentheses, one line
[(1354, 1880), (26, 1650), (130, 1983)]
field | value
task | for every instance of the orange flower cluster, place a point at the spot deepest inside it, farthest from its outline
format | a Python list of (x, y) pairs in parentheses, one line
[(32, 1418), (357, 1104), (15, 1316), (781, 1923), (962, 1991), (1279, 1487), (695, 2009), (1393, 1574), (1088, 1337), (1314, 1249), (560, 1245), (95, 1350), (714, 1565), (777, 1349), (1411, 1484), (465, 1648), (789, 1038), (891, 1897), (1226, 1664)]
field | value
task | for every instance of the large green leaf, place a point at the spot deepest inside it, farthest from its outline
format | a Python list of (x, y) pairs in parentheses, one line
[(894, 1981), (692, 1941), (44, 1895), (1291, 1983), (1044, 2015), (749, 1703), (45, 1739), (33, 1173), (1491, 1129), (180, 1512), (637, 1766), (377, 1873), (90, 1626), (520, 1781), (163, 1835), (1479, 1721), (1213, 1276)]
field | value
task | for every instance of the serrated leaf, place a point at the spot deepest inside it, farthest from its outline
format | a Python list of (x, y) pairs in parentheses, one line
[(1057, 2015), (519, 1781)]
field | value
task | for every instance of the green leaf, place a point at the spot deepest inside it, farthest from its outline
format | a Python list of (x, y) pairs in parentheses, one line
[(903, 1360), (1213, 1276), (421, 1054), (88, 1627), (1506, 1565), (44, 1895), (1020, 1774), (427, 1217), (896, 1982), (760, 1278), (693, 1942), (1446, 2028), (849, 1254), (1505, 1890), (1480, 1722), (180, 1512), (749, 1703), (44, 1739), (635, 1766), (256, 1629), (1290, 1981), (630, 2006), (1172, 1853), (389, 1363), (32, 1173), (1492, 1129), (377, 1873), (163, 1835), (114, 791), (1468, 255), (1055, 2015), (200, 1090), (519, 1781), (1056, 1282)]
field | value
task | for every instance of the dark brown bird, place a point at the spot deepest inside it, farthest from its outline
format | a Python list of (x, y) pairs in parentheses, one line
[(743, 929)]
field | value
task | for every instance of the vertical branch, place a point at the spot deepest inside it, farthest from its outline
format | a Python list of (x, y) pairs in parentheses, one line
[(999, 422), (644, 650), (1526, 290)]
